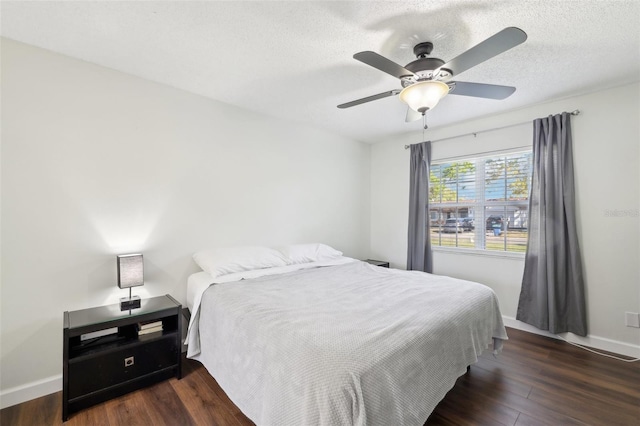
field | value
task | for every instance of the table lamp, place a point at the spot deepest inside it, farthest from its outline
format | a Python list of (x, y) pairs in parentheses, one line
[(130, 274)]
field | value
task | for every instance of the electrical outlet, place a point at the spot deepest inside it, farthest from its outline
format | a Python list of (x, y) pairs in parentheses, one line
[(632, 319)]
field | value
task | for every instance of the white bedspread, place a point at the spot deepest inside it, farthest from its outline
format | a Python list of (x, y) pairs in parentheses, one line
[(353, 344)]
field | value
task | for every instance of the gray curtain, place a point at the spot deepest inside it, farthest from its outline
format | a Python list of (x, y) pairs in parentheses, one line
[(419, 257), (552, 295)]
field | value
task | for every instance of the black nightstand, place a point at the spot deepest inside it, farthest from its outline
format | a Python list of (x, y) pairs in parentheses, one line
[(378, 263), (96, 369)]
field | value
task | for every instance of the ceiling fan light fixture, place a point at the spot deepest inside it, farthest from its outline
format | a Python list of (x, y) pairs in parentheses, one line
[(424, 95)]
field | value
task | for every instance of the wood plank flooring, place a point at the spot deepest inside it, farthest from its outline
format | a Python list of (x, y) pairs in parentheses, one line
[(535, 381)]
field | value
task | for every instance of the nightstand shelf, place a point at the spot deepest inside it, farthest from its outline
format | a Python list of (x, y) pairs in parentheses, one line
[(100, 368)]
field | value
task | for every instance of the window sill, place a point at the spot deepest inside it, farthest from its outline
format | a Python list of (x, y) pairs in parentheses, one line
[(477, 252)]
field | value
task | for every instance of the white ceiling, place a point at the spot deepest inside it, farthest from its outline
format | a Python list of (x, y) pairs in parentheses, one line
[(293, 60)]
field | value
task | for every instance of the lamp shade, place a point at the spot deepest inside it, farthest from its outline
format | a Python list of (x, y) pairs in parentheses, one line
[(424, 95), (130, 270)]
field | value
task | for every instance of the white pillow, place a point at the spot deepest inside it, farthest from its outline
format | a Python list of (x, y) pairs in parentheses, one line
[(305, 253), (223, 261)]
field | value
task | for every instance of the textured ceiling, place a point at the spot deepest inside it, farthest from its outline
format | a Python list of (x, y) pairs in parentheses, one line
[(293, 60)]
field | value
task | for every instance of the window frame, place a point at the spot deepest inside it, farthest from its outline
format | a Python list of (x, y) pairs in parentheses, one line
[(480, 204)]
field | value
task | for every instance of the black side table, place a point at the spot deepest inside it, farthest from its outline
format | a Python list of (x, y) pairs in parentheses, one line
[(381, 263), (106, 355)]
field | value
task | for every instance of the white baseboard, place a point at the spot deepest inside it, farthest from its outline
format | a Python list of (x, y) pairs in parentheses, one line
[(591, 341), (29, 391)]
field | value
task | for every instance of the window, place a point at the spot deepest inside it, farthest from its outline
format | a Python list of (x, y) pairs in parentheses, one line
[(481, 203)]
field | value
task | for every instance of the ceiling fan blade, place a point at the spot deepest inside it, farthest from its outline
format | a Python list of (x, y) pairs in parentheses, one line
[(382, 63), (480, 90), (412, 115), (493, 46), (369, 99)]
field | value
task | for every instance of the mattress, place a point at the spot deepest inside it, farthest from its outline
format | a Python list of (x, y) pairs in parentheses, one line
[(345, 344)]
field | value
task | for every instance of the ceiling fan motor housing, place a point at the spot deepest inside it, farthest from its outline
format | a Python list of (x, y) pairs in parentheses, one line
[(424, 69)]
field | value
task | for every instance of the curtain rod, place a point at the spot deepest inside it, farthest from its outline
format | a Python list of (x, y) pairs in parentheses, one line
[(574, 112)]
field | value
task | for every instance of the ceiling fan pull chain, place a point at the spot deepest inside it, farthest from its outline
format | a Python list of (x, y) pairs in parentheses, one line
[(424, 124)]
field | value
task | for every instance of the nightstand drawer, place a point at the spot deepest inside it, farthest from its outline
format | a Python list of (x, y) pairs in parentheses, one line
[(130, 362)]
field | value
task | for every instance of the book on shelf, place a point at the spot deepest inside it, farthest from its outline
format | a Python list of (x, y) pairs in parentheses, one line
[(150, 330), (150, 324)]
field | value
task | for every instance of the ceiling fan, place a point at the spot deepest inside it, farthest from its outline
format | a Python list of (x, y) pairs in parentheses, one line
[(427, 80)]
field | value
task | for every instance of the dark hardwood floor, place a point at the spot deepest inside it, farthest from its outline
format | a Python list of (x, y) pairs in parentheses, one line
[(535, 381)]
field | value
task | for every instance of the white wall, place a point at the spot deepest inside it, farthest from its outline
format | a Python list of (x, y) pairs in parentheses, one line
[(606, 139), (97, 163)]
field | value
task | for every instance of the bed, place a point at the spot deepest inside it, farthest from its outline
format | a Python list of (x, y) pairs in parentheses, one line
[(334, 341)]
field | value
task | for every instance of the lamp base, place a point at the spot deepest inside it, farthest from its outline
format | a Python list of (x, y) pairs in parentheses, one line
[(127, 303)]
